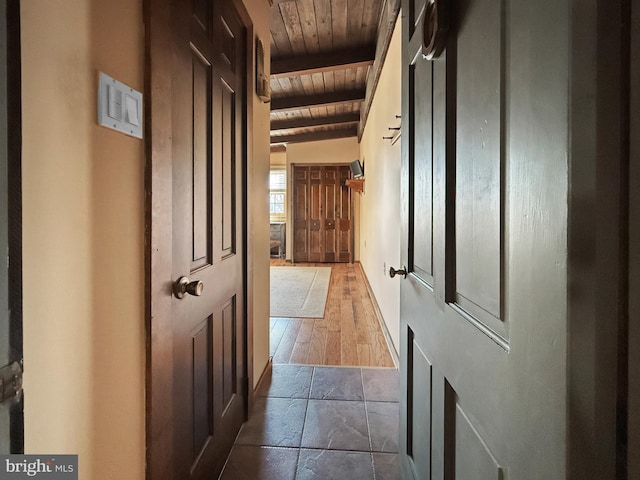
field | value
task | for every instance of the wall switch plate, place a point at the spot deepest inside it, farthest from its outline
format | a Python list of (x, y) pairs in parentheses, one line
[(119, 106)]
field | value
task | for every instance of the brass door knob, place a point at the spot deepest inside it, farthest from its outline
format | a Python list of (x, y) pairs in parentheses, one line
[(184, 286), (393, 272)]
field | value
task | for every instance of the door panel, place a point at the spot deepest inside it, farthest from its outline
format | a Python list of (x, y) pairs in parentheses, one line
[(202, 239), (464, 372), (202, 392), (418, 408), (228, 157), (229, 335), (472, 457), (479, 157), (420, 87), (209, 372)]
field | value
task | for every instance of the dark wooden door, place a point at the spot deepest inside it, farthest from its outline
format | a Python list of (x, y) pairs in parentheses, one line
[(633, 426), (208, 230), (483, 309), (11, 410), (322, 214)]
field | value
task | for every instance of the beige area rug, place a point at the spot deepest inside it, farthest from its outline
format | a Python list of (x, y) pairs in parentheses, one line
[(299, 291)]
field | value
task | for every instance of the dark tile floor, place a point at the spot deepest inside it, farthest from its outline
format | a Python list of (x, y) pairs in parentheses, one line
[(320, 423)]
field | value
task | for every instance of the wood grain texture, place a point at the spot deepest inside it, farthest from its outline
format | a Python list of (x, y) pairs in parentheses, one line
[(160, 455), (323, 24), (292, 25), (316, 100), (339, 12), (194, 381), (307, 15), (323, 46), (348, 335), (294, 123), (279, 35), (355, 25)]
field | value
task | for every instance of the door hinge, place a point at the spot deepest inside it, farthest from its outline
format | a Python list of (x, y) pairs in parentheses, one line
[(10, 381)]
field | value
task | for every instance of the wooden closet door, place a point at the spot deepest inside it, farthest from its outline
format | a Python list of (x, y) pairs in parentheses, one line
[(322, 219)]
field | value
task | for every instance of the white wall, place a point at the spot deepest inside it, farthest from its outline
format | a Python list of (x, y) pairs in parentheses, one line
[(342, 150), (380, 202)]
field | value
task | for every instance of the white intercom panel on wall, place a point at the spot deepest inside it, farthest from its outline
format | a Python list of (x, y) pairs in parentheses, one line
[(119, 106)]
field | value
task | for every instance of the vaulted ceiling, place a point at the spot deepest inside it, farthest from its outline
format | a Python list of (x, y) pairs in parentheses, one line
[(326, 57)]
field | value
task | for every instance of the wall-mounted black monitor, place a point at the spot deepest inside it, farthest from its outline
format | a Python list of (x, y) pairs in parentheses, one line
[(357, 170)]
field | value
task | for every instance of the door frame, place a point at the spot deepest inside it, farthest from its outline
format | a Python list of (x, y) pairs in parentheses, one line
[(14, 206), (158, 232), (634, 248), (598, 295), (290, 189)]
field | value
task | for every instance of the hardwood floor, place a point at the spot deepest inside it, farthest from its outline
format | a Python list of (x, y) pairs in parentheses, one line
[(349, 334)]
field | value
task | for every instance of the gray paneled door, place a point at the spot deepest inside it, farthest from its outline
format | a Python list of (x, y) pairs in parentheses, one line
[(484, 186)]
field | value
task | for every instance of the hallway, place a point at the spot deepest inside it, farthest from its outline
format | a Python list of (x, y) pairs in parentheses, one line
[(350, 333), (320, 423), (314, 421)]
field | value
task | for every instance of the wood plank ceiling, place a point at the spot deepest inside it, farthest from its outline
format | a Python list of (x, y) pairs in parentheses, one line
[(322, 52)]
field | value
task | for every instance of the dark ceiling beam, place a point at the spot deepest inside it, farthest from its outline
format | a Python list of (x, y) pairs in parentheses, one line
[(323, 62), (388, 17), (318, 100), (345, 119), (315, 136), (278, 148)]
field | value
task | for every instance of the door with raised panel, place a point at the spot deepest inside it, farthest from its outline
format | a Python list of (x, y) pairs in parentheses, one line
[(209, 377), (322, 214), (484, 187)]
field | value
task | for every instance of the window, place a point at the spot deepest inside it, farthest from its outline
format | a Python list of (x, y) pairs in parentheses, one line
[(277, 195)]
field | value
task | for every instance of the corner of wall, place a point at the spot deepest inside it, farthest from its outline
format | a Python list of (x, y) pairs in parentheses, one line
[(258, 208)]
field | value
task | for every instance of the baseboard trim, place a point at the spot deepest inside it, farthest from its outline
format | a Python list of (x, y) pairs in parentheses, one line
[(268, 368), (383, 325)]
